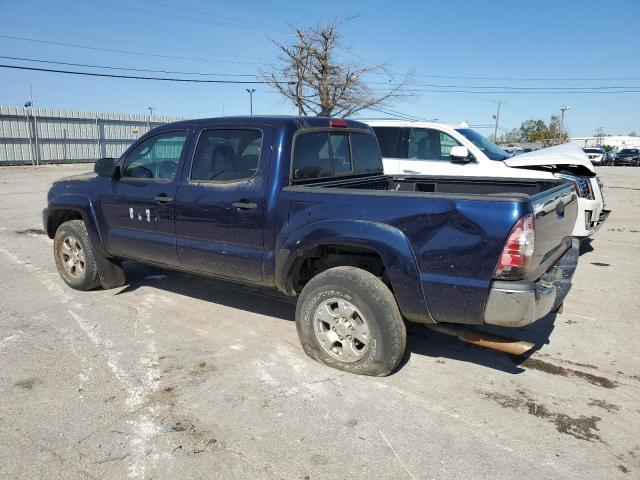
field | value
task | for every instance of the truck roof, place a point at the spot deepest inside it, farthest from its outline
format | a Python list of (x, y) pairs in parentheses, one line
[(274, 120)]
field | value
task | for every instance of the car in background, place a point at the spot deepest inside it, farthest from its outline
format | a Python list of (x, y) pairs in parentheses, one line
[(596, 155), (512, 150), (411, 149), (628, 157), (609, 157)]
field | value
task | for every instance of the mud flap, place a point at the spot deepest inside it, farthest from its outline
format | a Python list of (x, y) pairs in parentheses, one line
[(110, 272)]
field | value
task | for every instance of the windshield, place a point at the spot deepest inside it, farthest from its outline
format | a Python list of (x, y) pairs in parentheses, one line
[(490, 149), (627, 151), (592, 150)]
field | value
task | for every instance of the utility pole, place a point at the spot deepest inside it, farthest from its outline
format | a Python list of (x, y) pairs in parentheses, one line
[(251, 91), (562, 110), (497, 117)]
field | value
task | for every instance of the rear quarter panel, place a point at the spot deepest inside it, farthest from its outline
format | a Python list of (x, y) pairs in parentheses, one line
[(454, 242)]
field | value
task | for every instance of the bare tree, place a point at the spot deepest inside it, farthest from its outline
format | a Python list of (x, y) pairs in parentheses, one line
[(311, 76)]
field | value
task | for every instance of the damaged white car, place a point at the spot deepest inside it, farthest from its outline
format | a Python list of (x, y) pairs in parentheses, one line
[(428, 148)]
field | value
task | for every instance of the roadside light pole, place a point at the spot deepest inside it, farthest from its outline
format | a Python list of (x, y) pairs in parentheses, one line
[(251, 91)]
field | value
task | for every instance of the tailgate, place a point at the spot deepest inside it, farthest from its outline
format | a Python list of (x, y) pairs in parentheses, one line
[(555, 213)]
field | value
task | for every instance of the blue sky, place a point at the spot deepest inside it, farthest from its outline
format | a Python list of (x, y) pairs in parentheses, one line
[(509, 43)]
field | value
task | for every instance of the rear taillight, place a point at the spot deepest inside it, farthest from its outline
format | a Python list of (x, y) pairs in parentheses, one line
[(516, 255)]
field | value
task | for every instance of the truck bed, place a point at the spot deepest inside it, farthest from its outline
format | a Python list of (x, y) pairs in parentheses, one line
[(456, 226), (448, 185)]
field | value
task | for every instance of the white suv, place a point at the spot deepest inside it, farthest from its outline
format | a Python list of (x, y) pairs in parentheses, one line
[(595, 155), (427, 148)]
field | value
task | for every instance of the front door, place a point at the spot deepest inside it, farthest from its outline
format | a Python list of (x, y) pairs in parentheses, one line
[(220, 207), (138, 208)]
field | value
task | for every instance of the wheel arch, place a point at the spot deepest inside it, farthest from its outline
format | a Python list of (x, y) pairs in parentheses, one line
[(63, 208), (374, 242)]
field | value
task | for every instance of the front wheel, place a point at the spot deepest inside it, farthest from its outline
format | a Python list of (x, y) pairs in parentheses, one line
[(74, 256), (348, 319)]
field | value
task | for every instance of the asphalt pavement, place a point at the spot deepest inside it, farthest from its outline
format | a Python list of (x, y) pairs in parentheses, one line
[(179, 376)]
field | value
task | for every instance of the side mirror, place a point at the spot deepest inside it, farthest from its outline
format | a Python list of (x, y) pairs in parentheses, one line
[(105, 167), (460, 154)]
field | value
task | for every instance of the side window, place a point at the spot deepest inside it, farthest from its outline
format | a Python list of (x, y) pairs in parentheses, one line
[(389, 139), (226, 155), (156, 158), (447, 142), (366, 154), (429, 144), (312, 158)]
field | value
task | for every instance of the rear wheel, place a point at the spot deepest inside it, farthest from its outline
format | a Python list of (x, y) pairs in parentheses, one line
[(348, 319), (74, 256)]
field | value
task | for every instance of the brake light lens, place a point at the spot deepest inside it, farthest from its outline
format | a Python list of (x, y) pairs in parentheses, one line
[(517, 253), (337, 122)]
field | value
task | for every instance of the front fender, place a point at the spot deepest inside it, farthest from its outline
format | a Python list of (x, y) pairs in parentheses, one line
[(388, 242), (83, 206)]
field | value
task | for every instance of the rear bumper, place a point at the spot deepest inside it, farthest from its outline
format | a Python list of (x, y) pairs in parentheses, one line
[(515, 304)]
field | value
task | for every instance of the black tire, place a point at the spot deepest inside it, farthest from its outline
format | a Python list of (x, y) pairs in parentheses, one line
[(71, 238), (372, 299)]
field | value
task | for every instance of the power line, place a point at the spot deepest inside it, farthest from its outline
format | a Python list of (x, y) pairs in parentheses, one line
[(133, 77), (201, 12), (146, 12), (127, 68), (434, 89), (128, 52), (128, 41), (526, 79), (387, 73), (509, 87)]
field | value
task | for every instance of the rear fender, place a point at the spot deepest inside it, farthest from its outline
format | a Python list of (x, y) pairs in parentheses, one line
[(388, 242)]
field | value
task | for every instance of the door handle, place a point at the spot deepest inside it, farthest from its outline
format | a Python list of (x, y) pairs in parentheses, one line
[(163, 199), (244, 205), (411, 172)]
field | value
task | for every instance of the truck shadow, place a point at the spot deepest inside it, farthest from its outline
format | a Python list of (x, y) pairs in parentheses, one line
[(263, 301), (258, 300)]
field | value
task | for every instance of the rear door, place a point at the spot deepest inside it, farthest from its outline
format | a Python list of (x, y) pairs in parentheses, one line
[(428, 154), (138, 208), (220, 206), (393, 143)]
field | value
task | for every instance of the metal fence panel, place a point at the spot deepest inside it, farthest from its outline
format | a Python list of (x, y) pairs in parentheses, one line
[(59, 136)]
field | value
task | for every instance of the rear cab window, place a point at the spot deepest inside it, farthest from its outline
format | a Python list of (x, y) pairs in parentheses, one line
[(327, 154)]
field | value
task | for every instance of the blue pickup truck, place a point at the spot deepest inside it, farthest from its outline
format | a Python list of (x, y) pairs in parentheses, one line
[(301, 205)]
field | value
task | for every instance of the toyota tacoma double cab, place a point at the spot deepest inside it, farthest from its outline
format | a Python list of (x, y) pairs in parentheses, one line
[(301, 205)]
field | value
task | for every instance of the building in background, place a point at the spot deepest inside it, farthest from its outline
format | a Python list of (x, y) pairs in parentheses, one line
[(616, 141)]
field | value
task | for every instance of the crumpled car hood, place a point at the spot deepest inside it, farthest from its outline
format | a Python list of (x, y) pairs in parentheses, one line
[(565, 154)]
